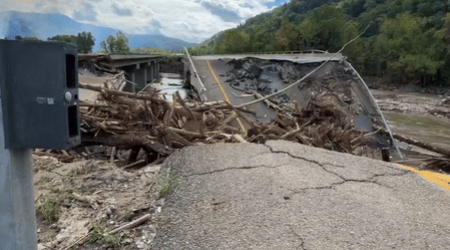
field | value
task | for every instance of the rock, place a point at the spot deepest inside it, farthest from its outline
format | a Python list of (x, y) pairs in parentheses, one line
[(140, 244), (445, 102), (160, 202), (152, 229), (262, 86), (265, 79), (127, 241), (152, 169), (237, 63), (255, 71), (67, 203)]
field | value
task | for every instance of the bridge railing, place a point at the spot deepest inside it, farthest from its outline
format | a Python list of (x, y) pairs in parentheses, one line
[(310, 51), (314, 52)]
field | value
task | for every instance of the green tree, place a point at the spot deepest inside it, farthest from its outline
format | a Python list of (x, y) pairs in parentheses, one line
[(104, 46), (233, 41), (444, 34), (409, 48), (445, 31), (287, 38), (85, 42), (327, 28), (309, 30), (64, 38), (31, 38), (111, 44), (122, 43), (116, 44)]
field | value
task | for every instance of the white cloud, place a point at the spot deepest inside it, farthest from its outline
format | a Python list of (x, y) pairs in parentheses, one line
[(190, 20)]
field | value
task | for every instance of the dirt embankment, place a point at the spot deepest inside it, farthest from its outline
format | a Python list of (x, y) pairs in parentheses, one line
[(412, 103), (170, 65), (425, 117)]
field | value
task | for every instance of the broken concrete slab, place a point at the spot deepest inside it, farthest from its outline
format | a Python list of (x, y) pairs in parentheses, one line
[(288, 196)]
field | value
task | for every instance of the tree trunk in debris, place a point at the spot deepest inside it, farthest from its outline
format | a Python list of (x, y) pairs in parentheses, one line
[(128, 141), (133, 155)]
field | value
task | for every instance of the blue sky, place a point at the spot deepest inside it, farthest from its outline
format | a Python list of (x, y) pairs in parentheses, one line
[(276, 3), (190, 20)]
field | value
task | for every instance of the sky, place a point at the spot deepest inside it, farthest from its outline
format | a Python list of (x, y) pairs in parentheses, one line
[(190, 20)]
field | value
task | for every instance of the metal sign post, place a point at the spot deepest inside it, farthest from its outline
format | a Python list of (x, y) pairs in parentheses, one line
[(17, 210), (39, 109)]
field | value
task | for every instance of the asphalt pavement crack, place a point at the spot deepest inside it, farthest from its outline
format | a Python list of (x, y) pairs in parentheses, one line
[(300, 158), (344, 180), (302, 245), (331, 186), (229, 169)]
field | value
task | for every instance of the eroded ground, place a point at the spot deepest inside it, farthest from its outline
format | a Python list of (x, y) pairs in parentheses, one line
[(418, 115), (81, 202)]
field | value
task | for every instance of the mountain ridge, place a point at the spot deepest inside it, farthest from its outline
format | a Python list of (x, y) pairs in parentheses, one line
[(44, 25)]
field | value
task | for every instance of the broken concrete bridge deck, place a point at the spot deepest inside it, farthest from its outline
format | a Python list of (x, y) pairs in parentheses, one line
[(284, 195)]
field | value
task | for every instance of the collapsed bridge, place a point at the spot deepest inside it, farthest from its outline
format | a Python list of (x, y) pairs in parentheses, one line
[(240, 78)]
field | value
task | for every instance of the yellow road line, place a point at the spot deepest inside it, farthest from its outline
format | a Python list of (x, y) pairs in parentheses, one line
[(224, 93), (440, 179)]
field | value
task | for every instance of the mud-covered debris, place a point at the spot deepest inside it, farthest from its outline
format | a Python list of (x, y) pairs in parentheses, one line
[(439, 164), (97, 204), (445, 102), (322, 124)]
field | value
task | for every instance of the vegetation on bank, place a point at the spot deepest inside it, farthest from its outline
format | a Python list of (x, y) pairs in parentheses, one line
[(116, 44), (85, 41), (161, 52), (407, 39)]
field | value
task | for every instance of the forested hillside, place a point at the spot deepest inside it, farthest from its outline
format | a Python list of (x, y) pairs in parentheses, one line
[(407, 39)]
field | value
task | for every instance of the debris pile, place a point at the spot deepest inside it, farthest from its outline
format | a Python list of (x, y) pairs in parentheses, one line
[(261, 72), (439, 164), (445, 102), (322, 124), (97, 64), (149, 122), (268, 77), (90, 201), (415, 104), (95, 204), (127, 121)]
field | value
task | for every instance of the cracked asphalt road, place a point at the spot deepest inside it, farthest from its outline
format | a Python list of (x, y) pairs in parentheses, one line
[(284, 195)]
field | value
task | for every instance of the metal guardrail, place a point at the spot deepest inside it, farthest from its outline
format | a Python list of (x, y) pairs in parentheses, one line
[(311, 51), (203, 89), (298, 52)]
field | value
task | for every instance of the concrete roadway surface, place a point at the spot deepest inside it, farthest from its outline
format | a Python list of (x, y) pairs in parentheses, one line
[(284, 195), (212, 73)]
